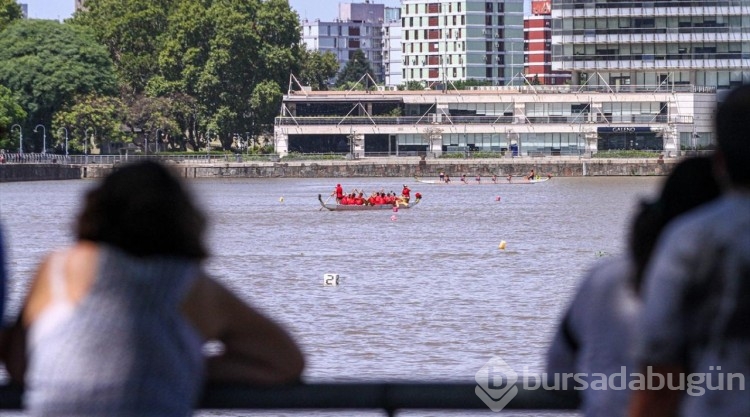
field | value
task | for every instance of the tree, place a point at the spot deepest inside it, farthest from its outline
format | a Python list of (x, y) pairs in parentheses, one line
[(47, 64), (357, 66), (10, 11), (130, 29), (219, 52), (10, 113), (101, 116), (317, 68), (265, 103)]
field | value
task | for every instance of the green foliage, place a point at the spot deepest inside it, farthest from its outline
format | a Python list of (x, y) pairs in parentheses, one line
[(622, 153), (465, 84), (10, 11), (295, 156), (355, 69), (265, 102), (131, 30), (317, 68), (220, 52), (96, 119), (414, 85), (10, 113), (47, 64)]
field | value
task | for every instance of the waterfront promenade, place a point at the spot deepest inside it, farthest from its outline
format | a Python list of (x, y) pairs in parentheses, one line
[(221, 167)]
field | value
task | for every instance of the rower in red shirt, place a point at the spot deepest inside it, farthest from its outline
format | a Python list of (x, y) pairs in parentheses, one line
[(339, 192), (405, 193)]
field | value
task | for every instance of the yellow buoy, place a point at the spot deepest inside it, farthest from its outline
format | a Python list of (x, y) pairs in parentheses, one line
[(501, 246)]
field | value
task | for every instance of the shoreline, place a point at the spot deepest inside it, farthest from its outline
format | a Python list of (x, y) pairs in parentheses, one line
[(365, 167)]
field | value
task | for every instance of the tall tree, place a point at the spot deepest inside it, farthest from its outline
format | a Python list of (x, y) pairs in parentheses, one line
[(353, 71), (220, 51), (318, 68), (10, 113), (47, 63), (130, 29), (10, 11)]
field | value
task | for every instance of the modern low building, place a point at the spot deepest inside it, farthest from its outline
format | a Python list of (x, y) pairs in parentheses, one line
[(514, 120)]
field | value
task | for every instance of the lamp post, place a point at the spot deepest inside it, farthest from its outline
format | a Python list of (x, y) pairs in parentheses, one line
[(158, 136), (66, 138), (85, 144), (20, 137), (44, 137), (208, 145)]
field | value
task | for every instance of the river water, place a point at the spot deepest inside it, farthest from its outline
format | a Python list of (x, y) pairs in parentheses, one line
[(425, 294)]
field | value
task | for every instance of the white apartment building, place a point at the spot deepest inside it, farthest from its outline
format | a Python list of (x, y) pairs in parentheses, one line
[(446, 41), (358, 26)]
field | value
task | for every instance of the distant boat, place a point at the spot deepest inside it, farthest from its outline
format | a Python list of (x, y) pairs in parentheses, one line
[(354, 207), (488, 181)]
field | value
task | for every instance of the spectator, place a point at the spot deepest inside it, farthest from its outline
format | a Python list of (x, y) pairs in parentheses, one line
[(596, 335), (695, 323), (117, 322)]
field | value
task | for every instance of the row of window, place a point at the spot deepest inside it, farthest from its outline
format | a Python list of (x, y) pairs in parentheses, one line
[(665, 22), (618, 4)]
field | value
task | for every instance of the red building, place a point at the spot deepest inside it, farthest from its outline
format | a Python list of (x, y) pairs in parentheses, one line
[(537, 30)]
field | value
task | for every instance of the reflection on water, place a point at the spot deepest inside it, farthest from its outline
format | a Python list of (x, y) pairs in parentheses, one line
[(427, 296)]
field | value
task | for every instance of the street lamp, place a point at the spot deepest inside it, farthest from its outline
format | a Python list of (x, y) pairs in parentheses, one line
[(66, 138), (158, 136), (208, 144), (85, 144), (20, 137), (44, 137)]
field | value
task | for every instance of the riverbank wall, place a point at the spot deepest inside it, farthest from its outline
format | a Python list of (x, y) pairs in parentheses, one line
[(365, 167)]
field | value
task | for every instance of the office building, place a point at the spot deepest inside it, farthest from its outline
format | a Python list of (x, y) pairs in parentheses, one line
[(444, 41), (359, 26)]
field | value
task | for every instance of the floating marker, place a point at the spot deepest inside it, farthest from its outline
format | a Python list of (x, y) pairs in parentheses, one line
[(281, 199), (395, 208), (501, 246), (497, 198), (331, 280), (394, 218)]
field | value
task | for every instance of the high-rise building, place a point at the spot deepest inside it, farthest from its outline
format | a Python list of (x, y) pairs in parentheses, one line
[(359, 26), (624, 43), (538, 44), (445, 41)]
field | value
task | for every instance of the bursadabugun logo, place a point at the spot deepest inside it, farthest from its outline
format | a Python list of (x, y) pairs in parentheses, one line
[(496, 384)]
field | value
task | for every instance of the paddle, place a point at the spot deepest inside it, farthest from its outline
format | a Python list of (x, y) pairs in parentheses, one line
[(325, 202)]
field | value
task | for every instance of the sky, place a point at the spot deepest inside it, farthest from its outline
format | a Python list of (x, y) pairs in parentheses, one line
[(311, 9)]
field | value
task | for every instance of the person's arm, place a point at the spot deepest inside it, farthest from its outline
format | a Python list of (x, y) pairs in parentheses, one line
[(661, 402), (255, 349)]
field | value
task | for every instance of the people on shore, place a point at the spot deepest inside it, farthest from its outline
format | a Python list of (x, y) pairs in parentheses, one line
[(478, 179), (695, 319), (116, 323), (598, 332), (441, 176)]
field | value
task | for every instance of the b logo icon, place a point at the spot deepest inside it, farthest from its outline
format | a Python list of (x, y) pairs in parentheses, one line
[(496, 384)]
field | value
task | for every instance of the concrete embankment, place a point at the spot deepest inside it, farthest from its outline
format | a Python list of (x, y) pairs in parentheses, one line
[(366, 167)]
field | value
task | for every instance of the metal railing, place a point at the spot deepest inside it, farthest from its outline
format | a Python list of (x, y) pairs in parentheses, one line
[(388, 396)]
